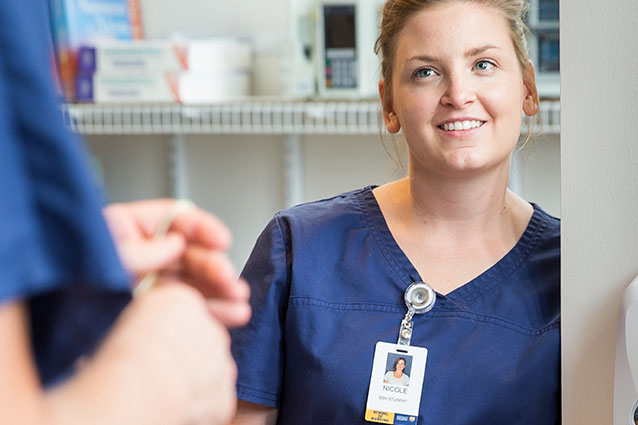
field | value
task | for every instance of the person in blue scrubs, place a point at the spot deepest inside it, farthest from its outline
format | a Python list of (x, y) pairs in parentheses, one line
[(328, 277), (166, 360)]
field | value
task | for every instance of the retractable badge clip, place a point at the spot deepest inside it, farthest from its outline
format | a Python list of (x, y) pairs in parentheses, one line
[(419, 298), (394, 395)]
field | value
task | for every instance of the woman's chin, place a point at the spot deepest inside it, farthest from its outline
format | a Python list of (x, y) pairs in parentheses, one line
[(465, 161)]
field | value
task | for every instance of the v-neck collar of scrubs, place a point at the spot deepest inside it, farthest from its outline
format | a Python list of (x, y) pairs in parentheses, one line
[(490, 278)]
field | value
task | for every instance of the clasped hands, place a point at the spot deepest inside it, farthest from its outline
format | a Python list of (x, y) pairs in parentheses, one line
[(193, 252)]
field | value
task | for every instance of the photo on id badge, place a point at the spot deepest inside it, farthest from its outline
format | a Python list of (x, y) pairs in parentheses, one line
[(398, 368)]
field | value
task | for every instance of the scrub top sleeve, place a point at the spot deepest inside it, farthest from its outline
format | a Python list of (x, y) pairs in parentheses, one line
[(56, 252), (258, 346)]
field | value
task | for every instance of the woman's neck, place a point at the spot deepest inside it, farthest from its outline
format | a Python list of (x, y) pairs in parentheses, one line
[(457, 201), (462, 207), (453, 230)]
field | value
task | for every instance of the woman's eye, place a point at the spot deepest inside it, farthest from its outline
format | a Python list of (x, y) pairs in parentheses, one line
[(484, 65), (424, 73)]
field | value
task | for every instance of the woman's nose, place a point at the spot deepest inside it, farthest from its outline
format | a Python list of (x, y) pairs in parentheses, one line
[(459, 91)]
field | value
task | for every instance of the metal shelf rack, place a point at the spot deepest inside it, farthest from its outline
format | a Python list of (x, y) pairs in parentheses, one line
[(283, 117), (290, 118), (233, 117)]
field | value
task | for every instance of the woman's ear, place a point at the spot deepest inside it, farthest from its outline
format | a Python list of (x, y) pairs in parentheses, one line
[(530, 103), (389, 116)]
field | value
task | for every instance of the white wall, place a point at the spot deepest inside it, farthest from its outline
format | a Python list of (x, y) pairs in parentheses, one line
[(599, 195), (132, 167), (214, 17), (539, 163)]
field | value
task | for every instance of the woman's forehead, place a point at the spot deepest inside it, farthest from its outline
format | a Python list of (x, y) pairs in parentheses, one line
[(453, 28)]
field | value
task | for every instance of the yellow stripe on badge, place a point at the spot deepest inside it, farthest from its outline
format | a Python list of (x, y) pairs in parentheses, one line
[(379, 416)]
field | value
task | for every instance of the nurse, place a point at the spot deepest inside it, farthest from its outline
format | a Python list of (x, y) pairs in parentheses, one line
[(328, 277)]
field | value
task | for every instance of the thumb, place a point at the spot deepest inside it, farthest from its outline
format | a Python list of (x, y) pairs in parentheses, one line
[(142, 256)]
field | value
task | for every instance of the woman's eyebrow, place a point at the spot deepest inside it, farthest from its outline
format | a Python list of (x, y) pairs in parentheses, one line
[(423, 58), (478, 50), (470, 53)]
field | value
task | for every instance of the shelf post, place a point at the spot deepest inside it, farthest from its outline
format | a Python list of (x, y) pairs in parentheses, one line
[(179, 167), (293, 170)]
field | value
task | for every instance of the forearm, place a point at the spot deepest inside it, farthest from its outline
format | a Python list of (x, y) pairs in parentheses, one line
[(254, 414), (111, 391), (113, 388), (132, 379), (20, 391), (166, 361)]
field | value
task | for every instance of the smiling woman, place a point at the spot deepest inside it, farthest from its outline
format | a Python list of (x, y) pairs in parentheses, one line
[(328, 277)]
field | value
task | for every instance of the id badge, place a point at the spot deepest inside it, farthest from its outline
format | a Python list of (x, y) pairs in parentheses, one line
[(396, 382)]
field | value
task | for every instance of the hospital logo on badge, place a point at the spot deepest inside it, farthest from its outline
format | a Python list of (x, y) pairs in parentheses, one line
[(400, 419)]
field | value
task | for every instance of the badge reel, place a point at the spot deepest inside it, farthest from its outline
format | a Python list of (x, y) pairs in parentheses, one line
[(419, 298), (398, 370)]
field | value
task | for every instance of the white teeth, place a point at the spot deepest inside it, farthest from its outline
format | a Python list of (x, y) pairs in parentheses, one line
[(461, 125)]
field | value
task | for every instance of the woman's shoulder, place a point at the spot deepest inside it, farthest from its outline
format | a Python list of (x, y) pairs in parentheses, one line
[(553, 222), (547, 229), (347, 209)]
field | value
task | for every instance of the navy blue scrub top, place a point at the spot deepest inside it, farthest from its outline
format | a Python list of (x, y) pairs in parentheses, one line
[(55, 249), (327, 283)]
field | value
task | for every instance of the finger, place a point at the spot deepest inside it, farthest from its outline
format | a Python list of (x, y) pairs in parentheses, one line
[(120, 222), (237, 290), (148, 214), (143, 256), (197, 226), (212, 272), (202, 228), (229, 313)]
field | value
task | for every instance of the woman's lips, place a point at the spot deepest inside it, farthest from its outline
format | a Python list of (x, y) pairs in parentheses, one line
[(461, 128), (459, 125)]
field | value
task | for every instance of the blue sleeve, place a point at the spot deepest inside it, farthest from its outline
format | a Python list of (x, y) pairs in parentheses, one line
[(55, 250), (258, 346)]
